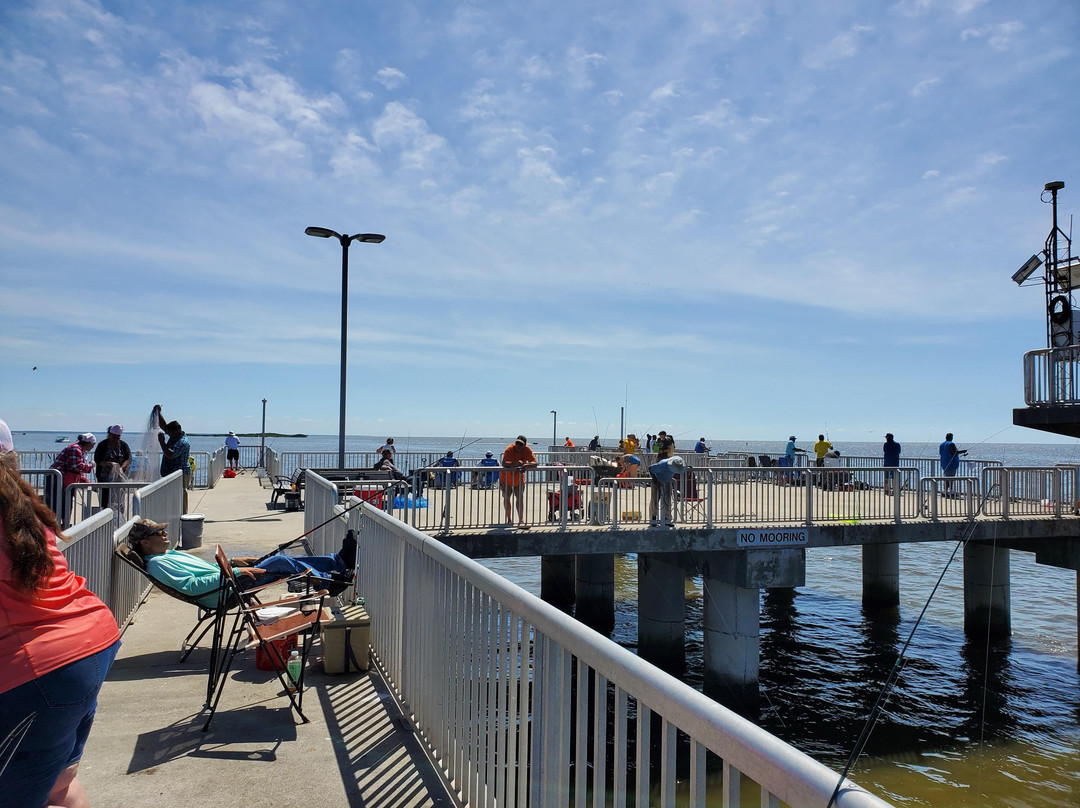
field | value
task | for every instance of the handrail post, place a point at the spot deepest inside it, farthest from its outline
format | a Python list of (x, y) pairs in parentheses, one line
[(808, 483), (1056, 487), (710, 480), (896, 489), (564, 492), (615, 505)]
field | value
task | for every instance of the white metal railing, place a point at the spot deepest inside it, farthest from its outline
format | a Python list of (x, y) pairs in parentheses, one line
[(521, 705), (216, 467), (320, 497), (89, 553), (48, 484), (469, 497), (1052, 376), (162, 501), (80, 498)]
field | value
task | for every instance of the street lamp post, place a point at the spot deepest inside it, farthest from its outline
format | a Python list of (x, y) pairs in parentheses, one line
[(554, 429), (367, 238), (262, 440)]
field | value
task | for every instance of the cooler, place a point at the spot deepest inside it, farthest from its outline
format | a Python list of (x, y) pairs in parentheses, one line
[(600, 507), (265, 661), (345, 638), (373, 494)]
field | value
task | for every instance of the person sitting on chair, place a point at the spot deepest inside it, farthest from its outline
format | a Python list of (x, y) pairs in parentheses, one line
[(386, 463), (194, 576)]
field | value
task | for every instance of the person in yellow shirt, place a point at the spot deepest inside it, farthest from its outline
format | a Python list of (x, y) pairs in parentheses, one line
[(821, 448)]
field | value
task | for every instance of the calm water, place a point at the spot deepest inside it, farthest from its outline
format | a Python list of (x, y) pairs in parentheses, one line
[(964, 726)]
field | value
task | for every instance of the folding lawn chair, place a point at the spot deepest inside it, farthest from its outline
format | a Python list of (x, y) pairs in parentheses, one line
[(687, 494), (206, 613), (303, 618)]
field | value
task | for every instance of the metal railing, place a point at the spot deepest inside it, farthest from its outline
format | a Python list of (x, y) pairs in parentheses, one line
[(469, 498), (162, 501), (80, 498), (321, 495), (521, 705), (48, 485), (1052, 376), (89, 553)]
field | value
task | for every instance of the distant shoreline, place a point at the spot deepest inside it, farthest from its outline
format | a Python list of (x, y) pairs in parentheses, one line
[(245, 435)]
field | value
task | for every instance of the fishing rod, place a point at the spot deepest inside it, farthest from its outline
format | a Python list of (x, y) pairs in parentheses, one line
[(281, 547), (894, 672)]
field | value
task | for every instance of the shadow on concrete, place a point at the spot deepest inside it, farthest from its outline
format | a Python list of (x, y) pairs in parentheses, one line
[(381, 760), (251, 734)]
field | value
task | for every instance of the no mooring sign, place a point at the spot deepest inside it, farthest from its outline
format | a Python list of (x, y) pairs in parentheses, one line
[(783, 537)]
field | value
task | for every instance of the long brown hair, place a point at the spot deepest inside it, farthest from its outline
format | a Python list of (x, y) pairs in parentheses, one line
[(25, 519)]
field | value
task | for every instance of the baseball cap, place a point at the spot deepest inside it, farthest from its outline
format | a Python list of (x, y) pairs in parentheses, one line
[(6, 443), (521, 439), (488, 454), (792, 437), (116, 429), (144, 529)]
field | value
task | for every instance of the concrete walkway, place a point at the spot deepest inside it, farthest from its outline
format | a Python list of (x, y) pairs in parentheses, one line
[(147, 748)]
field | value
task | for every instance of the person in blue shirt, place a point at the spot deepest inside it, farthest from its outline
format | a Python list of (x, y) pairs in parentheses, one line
[(194, 576), (449, 461), (662, 473), (486, 479), (700, 447), (891, 452), (232, 450), (950, 458), (791, 449), (174, 452)]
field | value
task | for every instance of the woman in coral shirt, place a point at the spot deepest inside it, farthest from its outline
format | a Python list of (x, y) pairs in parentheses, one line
[(57, 641)]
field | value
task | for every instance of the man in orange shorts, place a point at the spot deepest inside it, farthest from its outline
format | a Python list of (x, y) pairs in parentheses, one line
[(516, 458)]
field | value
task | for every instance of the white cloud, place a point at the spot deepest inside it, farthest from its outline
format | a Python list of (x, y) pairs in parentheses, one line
[(664, 92), (391, 78), (844, 45), (999, 36), (400, 128), (924, 86)]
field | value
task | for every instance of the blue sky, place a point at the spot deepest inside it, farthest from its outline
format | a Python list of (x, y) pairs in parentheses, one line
[(738, 219)]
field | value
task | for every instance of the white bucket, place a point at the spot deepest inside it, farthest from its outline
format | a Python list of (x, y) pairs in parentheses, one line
[(191, 525)]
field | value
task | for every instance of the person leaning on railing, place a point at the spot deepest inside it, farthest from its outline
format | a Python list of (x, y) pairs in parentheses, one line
[(516, 459), (57, 643)]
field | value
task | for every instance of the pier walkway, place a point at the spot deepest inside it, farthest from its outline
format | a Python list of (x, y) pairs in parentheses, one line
[(146, 747)]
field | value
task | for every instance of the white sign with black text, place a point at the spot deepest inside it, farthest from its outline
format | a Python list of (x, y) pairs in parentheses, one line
[(772, 537)]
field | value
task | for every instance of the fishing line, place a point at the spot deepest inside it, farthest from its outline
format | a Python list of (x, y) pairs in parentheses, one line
[(886, 688)]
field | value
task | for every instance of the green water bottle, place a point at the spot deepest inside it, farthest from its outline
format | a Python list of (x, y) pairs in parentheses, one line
[(293, 669)]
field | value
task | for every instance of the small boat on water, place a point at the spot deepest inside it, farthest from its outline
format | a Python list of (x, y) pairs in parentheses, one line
[(63, 439)]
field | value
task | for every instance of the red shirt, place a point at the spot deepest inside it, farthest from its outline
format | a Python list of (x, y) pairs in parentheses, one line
[(61, 623)]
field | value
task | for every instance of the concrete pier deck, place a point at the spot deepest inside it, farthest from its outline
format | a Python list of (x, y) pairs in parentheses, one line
[(147, 748)]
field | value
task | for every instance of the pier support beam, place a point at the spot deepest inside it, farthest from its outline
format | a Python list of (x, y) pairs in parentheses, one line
[(557, 574), (596, 591), (662, 612), (881, 576), (732, 584), (987, 594)]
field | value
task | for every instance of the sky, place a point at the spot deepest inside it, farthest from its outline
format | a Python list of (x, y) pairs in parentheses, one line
[(741, 219)]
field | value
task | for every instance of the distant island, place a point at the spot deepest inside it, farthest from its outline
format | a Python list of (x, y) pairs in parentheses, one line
[(245, 435)]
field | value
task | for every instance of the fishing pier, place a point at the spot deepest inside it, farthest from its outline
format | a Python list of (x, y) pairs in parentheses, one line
[(742, 529)]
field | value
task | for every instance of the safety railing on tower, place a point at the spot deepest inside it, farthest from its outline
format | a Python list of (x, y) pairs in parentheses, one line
[(1052, 376)]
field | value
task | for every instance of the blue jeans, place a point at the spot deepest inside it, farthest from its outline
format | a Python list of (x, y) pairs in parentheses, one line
[(283, 566), (65, 701)]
